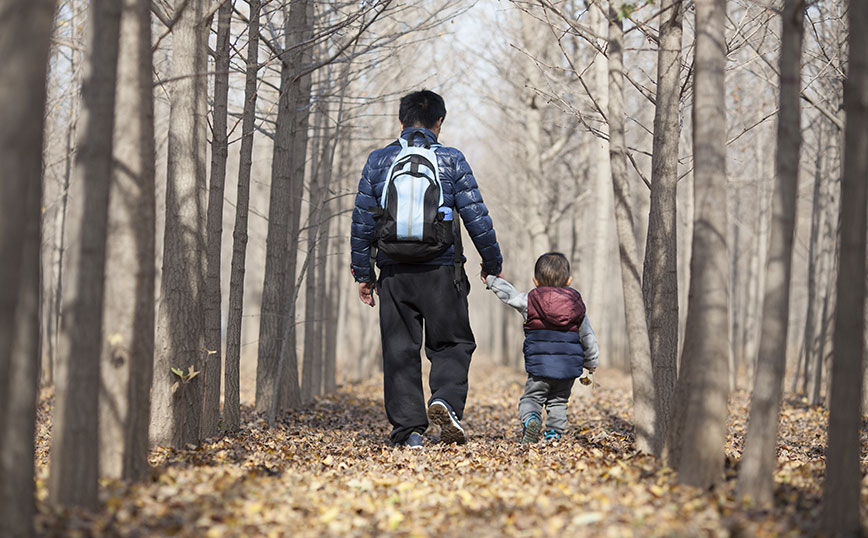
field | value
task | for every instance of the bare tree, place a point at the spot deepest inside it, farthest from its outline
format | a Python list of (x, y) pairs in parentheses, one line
[(640, 355), (219, 153), (698, 434), (660, 274), (74, 441), (277, 367), (128, 312), (25, 30), (841, 491), (231, 397), (755, 479), (299, 29), (177, 393)]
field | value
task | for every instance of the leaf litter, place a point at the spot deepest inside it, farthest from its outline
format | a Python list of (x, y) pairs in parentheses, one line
[(328, 470)]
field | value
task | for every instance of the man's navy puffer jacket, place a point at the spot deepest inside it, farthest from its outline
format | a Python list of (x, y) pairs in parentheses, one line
[(459, 191)]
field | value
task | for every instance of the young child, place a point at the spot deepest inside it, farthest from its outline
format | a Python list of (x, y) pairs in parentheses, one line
[(558, 343)]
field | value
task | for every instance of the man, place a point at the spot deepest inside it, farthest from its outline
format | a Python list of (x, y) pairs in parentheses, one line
[(434, 291)]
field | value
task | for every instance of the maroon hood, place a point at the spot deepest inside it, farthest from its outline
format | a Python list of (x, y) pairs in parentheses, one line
[(558, 309)]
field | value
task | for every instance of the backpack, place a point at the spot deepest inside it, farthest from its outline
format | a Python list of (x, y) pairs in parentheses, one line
[(411, 223)]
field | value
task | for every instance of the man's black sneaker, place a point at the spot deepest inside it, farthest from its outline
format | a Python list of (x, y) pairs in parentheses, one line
[(552, 435), (441, 414), (530, 430), (414, 440)]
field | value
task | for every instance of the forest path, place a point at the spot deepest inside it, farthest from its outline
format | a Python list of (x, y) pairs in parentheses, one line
[(329, 471)]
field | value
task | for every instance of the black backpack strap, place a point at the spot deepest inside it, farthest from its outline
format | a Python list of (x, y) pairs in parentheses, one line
[(458, 250)]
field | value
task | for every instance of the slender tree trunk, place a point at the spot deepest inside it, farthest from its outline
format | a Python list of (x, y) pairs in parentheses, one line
[(755, 478), (25, 32), (277, 370), (698, 432), (177, 402), (219, 153), (231, 398), (660, 275), (603, 206), (312, 366), (299, 31), (841, 491), (74, 441), (128, 311), (637, 329), (816, 223)]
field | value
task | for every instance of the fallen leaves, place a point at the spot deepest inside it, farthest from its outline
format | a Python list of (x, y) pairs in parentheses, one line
[(328, 470)]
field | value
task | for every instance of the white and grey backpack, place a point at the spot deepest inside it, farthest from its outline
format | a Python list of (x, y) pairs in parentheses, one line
[(411, 223)]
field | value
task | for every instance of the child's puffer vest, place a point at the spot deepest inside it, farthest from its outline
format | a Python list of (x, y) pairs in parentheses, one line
[(552, 347)]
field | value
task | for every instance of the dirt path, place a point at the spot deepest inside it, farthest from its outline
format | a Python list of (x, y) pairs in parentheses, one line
[(328, 471)]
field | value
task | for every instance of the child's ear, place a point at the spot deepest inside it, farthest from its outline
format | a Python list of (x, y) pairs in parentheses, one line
[(535, 282), (569, 280)]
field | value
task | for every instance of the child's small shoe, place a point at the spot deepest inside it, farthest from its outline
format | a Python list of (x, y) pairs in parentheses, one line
[(530, 430), (552, 435)]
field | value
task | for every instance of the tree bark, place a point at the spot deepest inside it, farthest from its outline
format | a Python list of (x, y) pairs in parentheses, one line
[(603, 207), (128, 311), (299, 32), (660, 275), (312, 366), (698, 432), (74, 441), (277, 386), (640, 356), (176, 413), (232, 383), (25, 31), (219, 153), (816, 223), (755, 478), (841, 491)]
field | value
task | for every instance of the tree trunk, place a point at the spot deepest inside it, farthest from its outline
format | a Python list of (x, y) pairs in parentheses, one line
[(841, 491), (177, 400), (755, 478), (640, 357), (603, 206), (660, 275), (312, 366), (25, 31), (816, 223), (299, 33), (231, 397), (74, 440), (277, 370), (219, 153), (698, 432), (128, 311)]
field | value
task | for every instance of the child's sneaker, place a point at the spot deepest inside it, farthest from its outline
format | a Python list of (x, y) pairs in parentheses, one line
[(530, 429), (441, 414), (552, 435)]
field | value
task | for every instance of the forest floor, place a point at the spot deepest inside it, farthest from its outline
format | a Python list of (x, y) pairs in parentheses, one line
[(328, 470)]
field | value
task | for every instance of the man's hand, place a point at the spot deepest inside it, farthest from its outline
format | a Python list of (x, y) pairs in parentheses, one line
[(366, 293), (483, 275)]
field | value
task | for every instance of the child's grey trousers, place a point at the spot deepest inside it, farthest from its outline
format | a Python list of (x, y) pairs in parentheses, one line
[(548, 392)]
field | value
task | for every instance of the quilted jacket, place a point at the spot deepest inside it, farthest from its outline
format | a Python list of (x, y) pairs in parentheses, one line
[(552, 343), (559, 340), (459, 191)]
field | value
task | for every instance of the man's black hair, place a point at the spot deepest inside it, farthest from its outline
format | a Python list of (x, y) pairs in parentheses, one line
[(421, 108)]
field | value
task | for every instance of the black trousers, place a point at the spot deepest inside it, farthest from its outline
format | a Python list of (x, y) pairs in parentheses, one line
[(413, 297)]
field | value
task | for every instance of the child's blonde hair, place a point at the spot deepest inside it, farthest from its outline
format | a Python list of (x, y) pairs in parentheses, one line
[(552, 269)]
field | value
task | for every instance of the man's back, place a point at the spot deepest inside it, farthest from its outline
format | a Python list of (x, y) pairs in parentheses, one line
[(460, 191)]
